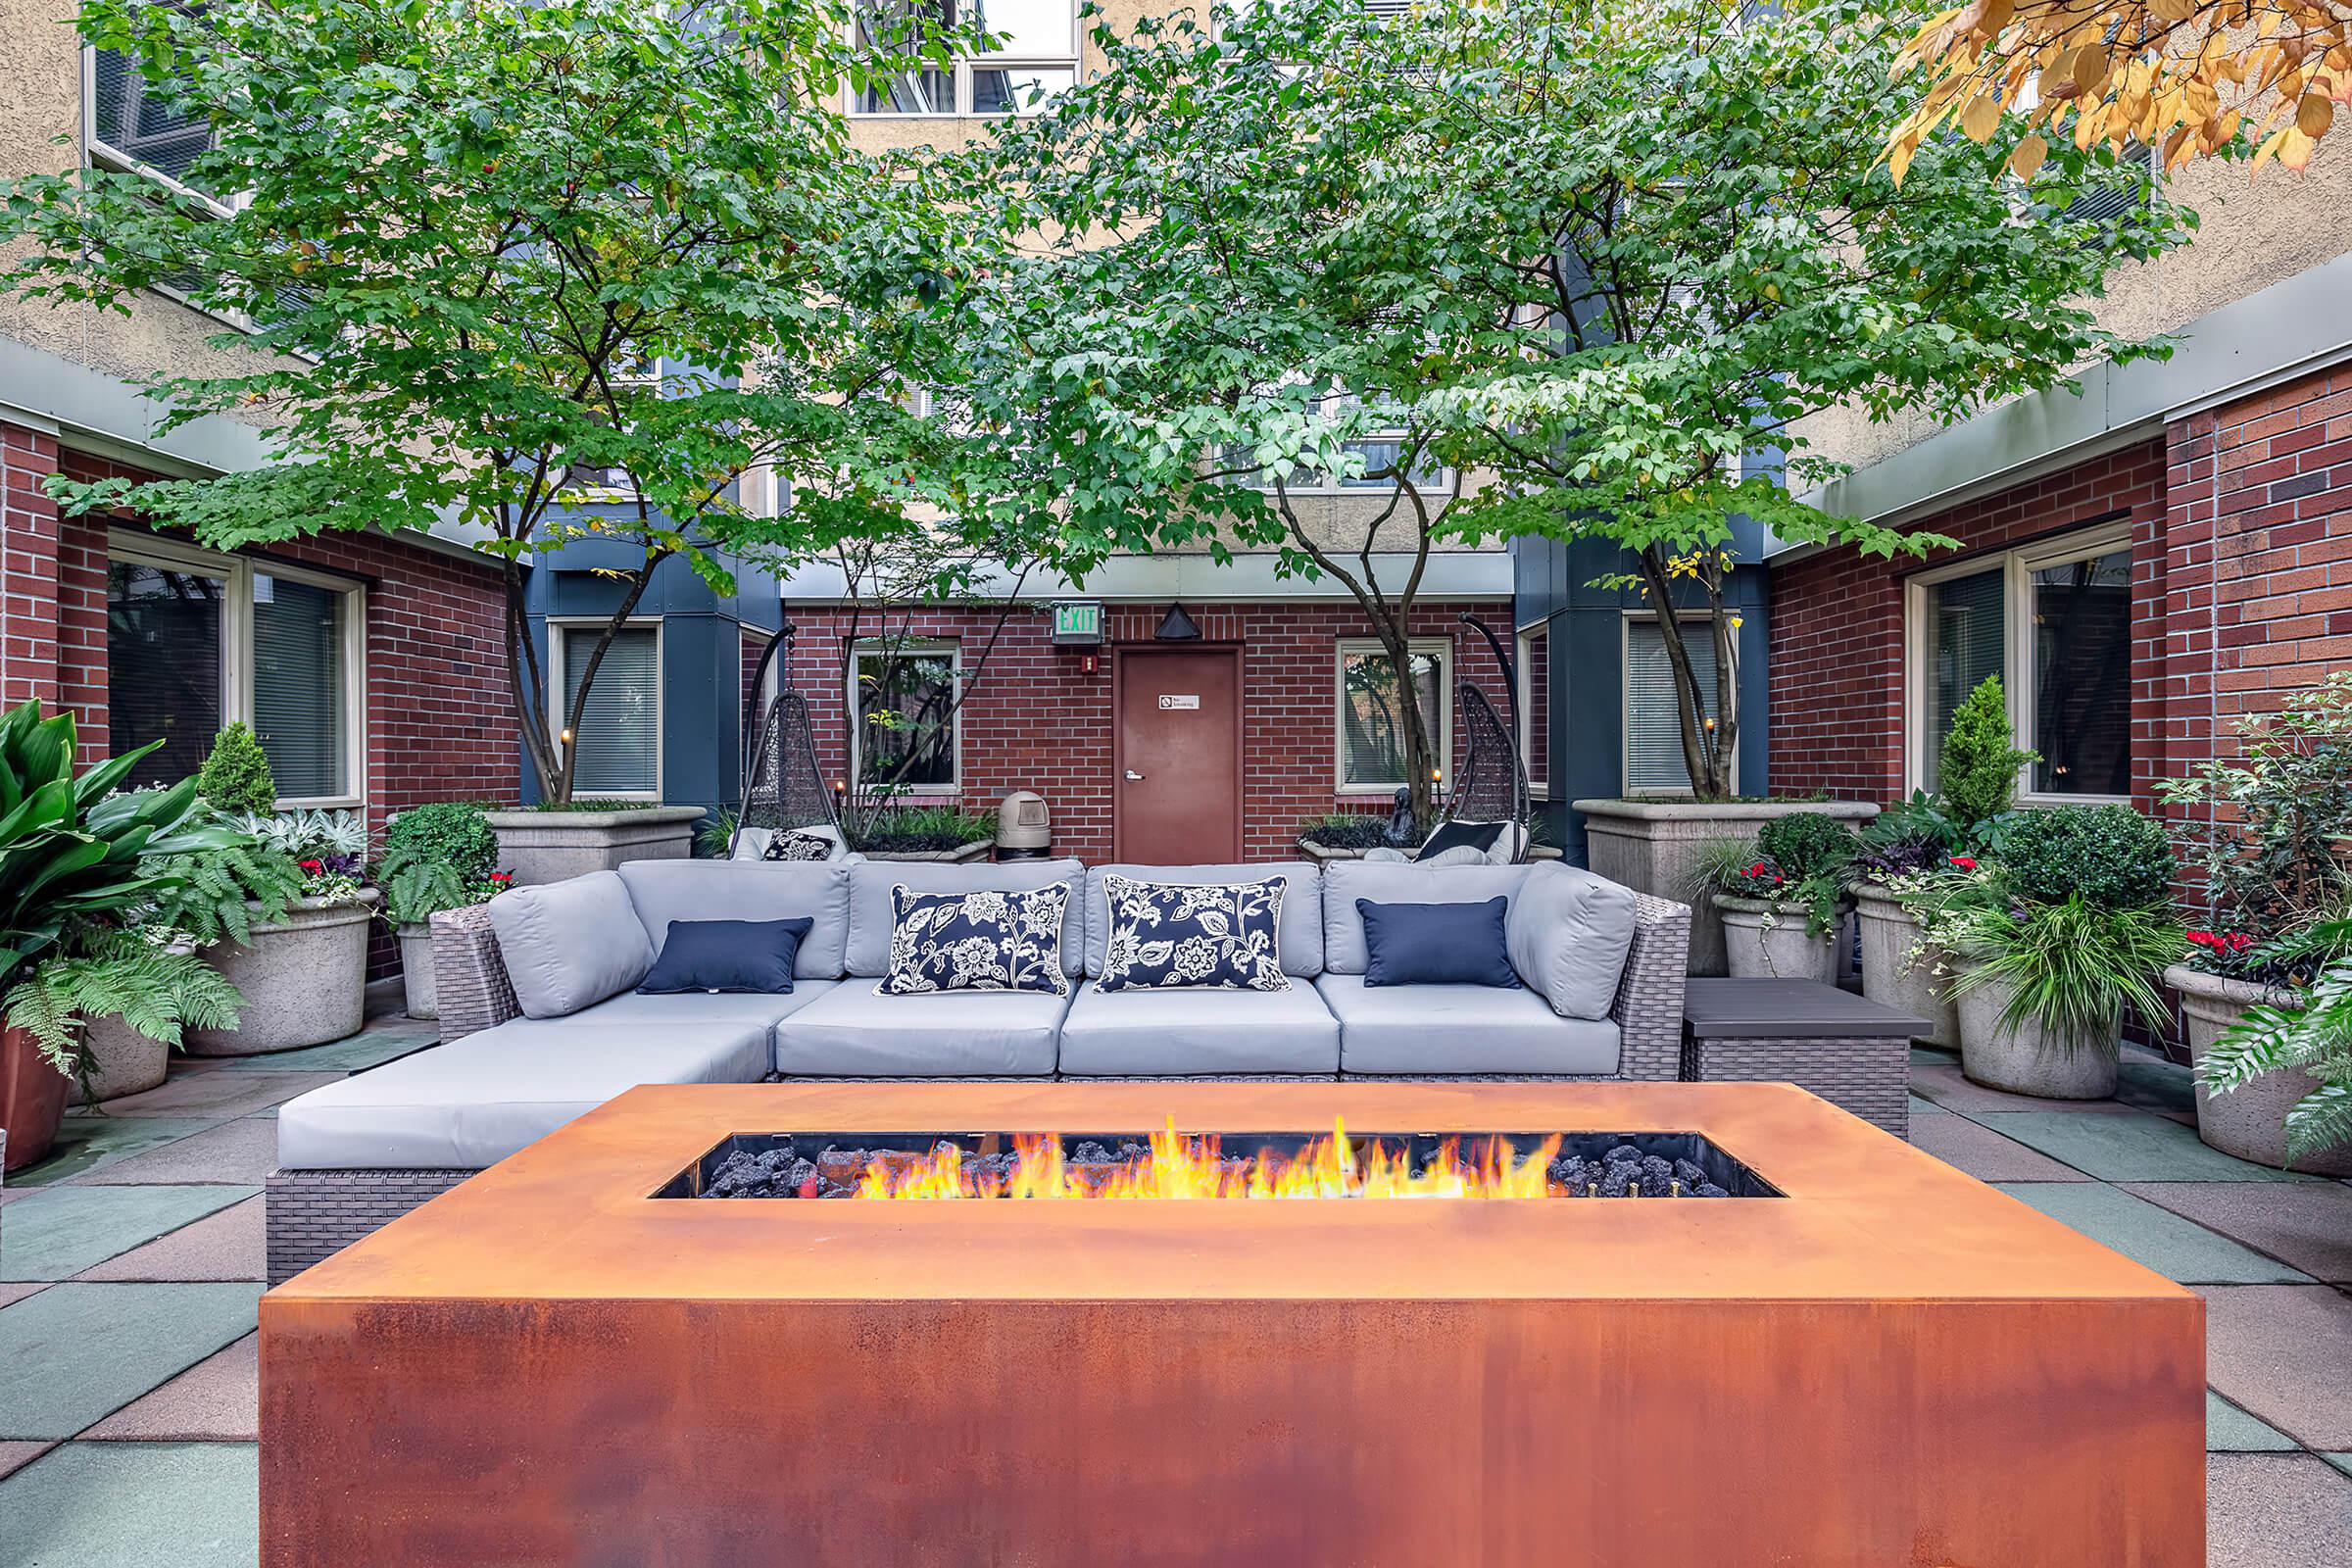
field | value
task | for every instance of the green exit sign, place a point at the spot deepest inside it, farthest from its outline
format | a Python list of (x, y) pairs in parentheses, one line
[(1077, 622)]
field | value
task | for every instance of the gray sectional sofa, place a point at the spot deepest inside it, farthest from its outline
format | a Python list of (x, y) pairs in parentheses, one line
[(541, 1022)]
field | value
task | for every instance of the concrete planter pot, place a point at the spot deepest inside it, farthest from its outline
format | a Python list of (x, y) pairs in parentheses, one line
[(123, 1061), (416, 941), (2031, 1060), (1767, 941), (1653, 846), (33, 1100), (1324, 854), (1889, 934), (554, 846), (304, 979), (2248, 1122), (977, 851)]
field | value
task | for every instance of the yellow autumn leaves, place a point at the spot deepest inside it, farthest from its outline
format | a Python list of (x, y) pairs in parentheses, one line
[(2180, 75)]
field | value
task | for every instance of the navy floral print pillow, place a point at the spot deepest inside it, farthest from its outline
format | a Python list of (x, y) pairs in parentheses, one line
[(976, 942), (1164, 935)]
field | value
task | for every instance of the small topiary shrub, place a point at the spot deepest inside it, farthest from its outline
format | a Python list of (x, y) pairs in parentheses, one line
[(1808, 845), (449, 833), (1978, 775), (235, 778), (2112, 856)]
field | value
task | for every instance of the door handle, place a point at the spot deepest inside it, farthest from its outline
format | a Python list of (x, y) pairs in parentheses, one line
[(1133, 777)]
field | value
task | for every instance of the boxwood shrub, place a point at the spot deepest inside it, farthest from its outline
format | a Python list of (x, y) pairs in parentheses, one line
[(2112, 856)]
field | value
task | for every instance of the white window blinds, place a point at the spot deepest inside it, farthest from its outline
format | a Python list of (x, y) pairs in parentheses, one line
[(299, 687), (1965, 642), (1653, 727), (618, 743)]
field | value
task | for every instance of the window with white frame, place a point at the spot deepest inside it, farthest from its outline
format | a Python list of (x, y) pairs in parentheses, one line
[(2053, 619), (1371, 713), (616, 744), (1654, 764), (1381, 450), (906, 703), (196, 641), (1034, 56), (132, 123), (1535, 708)]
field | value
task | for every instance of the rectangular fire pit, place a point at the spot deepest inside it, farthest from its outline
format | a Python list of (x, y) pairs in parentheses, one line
[(1855, 1355)]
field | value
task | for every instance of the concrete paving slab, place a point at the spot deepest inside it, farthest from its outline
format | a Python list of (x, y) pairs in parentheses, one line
[(135, 1505), (2277, 1510), (2230, 1430), (241, 1151), (1984, 1154), (85, 1144), (2308, 1224), (15, 1456), (219, 1399), (2127, 1146), (2173, 1246), (1934, 1056), (68, 1229), (14, 1291), (341, 1056), (1949, 1088), (2154, 1083), (58, 1384), (2342, 1461), (231, 1244), (219, 1094), (1927, 1108), (2284, 1352)]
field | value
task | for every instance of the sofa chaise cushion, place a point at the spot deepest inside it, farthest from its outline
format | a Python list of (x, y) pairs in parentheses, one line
[(1389, 882), (1299, 934), (1461, 1029), (1175, 1032), (662, 891), (1569, 933), (851, 1032), (570, 943), (872, 918), (657, 1013), (474, 1101)]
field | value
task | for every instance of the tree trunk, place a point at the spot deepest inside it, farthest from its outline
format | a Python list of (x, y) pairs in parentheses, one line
[(1704, 751), (1417, 749)]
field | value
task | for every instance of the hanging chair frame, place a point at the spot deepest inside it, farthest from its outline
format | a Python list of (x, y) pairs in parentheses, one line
[(783, 786)]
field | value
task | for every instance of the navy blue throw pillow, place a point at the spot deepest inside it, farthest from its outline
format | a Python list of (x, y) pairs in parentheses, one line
[(1478, 836), (1437, 944), (727, 956)]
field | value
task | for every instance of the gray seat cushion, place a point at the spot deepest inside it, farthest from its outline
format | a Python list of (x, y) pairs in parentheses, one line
[(1569, 933), (571, 944), (705, 1007), (475, 1100), (1345, 881), (1182, 1030), (1461, 1029), (663, 891), (851, 1031), (870, 917), (1299, 936)]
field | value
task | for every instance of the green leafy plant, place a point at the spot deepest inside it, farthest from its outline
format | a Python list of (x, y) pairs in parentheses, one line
[(211, 895), (235, 777), (2110, 856), (1907, 838), (1738, 868), (158, 990), (906, 829), (2315, 1038), (1345, 830), (715, 834), (452, 833), (1807, 843), (1977, 772), (2073, 965)]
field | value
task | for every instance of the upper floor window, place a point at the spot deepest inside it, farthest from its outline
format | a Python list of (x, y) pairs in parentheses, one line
[(132, 123), (1381, 450), (1033, 55)]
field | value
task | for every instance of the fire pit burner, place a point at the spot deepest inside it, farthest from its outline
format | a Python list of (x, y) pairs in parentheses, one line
[(1169, 1164)]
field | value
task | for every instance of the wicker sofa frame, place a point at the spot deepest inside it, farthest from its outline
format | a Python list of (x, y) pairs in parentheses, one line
[(313, 1213)]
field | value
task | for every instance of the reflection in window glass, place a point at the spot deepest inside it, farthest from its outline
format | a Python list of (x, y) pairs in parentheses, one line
[(905, 719), (163, 666), (1964, 645), (299, 687), (1372, 715), (137, 122), (2082, 675), (1021, 89)]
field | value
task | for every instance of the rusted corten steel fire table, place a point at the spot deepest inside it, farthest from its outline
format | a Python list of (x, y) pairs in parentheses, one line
[(1889, 1364)]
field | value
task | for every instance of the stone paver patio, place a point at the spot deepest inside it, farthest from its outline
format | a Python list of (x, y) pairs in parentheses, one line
[(131, 1259)]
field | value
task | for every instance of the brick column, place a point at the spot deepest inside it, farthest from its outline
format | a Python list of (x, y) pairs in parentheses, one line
[(29, 567)]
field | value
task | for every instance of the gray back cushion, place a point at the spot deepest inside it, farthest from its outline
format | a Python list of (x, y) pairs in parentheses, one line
[(870, 917), (1299, 936), (665, 891), (1345, 881), (569, 945), (1569, 932)]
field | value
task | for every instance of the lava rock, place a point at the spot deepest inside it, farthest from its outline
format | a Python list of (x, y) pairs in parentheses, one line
[(1571, 1172), (1623, 1154), (1619, 1182), (1690, 1175), (1711, 1190), (1656, 1178), (1090, 1153)]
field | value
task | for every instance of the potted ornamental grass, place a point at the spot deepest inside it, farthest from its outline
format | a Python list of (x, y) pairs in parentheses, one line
[(1782, 897), (2064, 923), (923, 833), (436, 857), (2269, 834)]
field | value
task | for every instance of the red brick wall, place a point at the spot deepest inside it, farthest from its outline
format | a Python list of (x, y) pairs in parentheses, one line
[(1034, 719), (29, 567)]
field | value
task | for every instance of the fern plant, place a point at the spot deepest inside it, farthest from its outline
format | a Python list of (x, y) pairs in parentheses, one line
[(211, 894), (2316, 1040), (156, 990)]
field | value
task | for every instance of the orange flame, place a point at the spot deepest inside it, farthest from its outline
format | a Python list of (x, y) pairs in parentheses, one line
[(1179, 1166)]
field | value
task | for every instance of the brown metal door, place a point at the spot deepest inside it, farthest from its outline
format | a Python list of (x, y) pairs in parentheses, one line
[(1178, 796)]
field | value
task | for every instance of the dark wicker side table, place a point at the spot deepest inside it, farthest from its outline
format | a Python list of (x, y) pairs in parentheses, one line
[(1852, 1051)]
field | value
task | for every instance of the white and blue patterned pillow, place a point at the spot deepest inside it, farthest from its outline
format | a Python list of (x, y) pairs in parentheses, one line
[(976, 942), (1165, 935)]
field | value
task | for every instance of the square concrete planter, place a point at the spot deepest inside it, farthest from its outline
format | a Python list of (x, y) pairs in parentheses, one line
[(1653, 846), (554, 846)]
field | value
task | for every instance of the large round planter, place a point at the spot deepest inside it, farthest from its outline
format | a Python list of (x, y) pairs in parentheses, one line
[(1654, 847), (2031, 1060), (304, 980), (2249, 1122), (33, 1100), (1766, 941), (554, 846), (123, 1061), (416, 968), (1889, 934)]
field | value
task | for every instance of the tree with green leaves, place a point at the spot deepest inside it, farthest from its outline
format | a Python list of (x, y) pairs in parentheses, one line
[(1510, 269), (564, 272), (1976, 771)]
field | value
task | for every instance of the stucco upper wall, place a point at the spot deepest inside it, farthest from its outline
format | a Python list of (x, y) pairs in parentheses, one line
[(2252, 233)]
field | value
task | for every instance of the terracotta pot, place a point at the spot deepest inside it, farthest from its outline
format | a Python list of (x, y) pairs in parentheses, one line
[(416, 968), (33, 1099), (1889, 934), (2031, 1060), (1767, 941), (2249, 1122), (123, 1061)]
